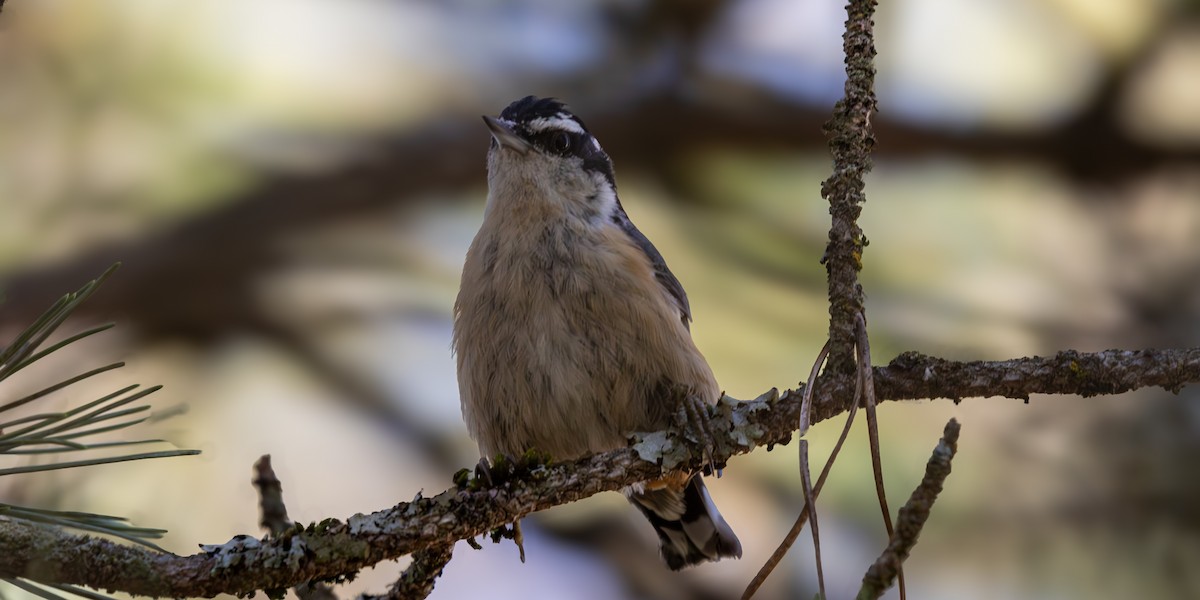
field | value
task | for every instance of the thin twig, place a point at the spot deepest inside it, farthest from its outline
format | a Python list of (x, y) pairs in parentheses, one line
[(866, 376), (275, 520), (417, 580), (912, 517), (270, 497)]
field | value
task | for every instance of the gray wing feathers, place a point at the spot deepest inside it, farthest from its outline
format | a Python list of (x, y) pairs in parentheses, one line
[(661, 272)]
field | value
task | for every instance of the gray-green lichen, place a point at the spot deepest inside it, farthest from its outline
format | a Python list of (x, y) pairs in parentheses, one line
[(360, 524), (660, 447), (743, 431), (236, 551)]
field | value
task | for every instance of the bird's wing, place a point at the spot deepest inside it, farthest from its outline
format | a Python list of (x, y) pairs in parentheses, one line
[(661, 272)]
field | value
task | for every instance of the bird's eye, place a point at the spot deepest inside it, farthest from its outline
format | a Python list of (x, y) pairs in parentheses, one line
[(561, 142)]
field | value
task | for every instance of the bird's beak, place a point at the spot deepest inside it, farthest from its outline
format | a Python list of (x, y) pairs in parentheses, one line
[(505, 136)]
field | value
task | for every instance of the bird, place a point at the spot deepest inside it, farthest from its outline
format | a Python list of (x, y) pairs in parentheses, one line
[(570, 331)]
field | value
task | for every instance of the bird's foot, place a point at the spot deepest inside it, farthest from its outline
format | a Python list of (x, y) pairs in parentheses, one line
[(695, 421)]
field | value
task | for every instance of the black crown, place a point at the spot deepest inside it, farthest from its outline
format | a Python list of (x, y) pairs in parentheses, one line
[(531, 108)]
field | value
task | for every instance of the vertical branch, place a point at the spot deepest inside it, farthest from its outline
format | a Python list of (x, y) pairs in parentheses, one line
[(850, 143), (273, 512)]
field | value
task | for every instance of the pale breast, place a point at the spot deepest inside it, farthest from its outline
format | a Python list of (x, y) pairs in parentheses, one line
[(566, 342)]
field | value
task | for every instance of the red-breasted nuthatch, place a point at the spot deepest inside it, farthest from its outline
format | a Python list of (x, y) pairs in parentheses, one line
[(569, 329)]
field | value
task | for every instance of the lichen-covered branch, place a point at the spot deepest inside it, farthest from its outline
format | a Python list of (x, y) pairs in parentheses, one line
[(274, 518), (912, 517), (417, 580), (850, 142), (915, 375), (319, 551), (332, 548)]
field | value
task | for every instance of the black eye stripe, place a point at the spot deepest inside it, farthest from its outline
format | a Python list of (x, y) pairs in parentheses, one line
[(578, 144), (581, 146)]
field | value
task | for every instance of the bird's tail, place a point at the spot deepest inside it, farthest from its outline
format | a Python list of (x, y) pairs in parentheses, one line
[(691, 529)]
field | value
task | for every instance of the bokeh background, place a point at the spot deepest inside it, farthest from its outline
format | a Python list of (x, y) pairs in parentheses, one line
[(292, 186)]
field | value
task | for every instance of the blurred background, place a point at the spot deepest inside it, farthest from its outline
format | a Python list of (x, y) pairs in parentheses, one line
[(292, 186)]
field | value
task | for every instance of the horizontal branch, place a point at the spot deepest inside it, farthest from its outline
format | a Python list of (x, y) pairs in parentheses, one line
[(914, 375), (332, 548)]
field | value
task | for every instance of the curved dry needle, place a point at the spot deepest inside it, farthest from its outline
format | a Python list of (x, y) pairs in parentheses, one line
[(810, 498), (789, 539), (867, 382)]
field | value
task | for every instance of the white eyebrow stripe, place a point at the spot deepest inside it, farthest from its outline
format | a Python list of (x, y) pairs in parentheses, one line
[(555, 122)]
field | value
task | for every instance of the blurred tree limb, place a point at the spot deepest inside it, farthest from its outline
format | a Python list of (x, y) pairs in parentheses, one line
[(179, 283), (332, 548)]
